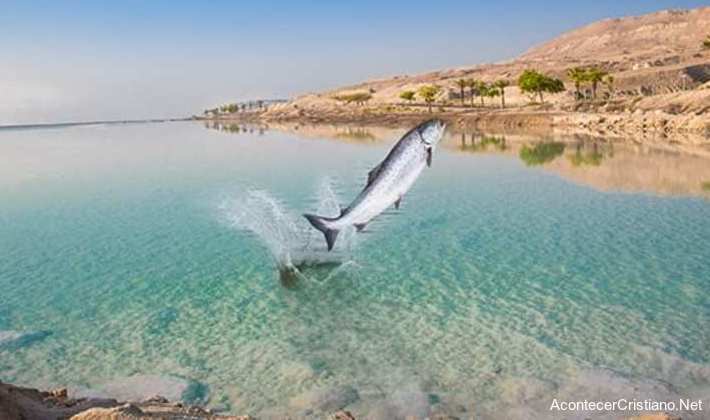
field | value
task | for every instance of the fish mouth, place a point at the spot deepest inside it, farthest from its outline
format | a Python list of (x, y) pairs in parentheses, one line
[(431, 131)]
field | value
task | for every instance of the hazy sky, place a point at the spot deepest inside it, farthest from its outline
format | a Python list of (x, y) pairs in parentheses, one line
[(86, 60)]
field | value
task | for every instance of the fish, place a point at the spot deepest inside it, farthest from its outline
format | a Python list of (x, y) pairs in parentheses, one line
[(387, 183)]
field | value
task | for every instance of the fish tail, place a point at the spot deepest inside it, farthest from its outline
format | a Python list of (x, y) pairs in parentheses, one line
[(321, 223)]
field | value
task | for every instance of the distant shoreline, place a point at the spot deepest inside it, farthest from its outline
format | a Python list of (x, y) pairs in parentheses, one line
[(84, 123)]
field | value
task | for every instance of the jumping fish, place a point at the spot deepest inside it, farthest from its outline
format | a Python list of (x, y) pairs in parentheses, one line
[(387, 182)]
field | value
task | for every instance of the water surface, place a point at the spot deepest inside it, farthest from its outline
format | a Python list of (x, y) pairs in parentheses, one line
[(517, 270)]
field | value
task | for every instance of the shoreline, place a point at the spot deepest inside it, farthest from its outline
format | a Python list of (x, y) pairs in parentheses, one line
[(640, 126)]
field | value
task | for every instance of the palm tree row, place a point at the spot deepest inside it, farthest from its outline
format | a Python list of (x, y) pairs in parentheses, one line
[(236, 107), (476, 88), (530, 81), (482, 89)]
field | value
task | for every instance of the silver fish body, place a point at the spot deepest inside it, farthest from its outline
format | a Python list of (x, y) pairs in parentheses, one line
[(387, 183)]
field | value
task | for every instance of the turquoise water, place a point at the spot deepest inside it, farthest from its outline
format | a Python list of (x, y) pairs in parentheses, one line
[(151, 250)]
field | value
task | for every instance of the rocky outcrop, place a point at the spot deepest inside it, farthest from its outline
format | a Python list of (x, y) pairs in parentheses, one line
[(17, 403), (638, 125), (151, 410)]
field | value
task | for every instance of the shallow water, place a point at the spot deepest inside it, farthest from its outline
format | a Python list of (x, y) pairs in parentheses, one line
[(576, 271)]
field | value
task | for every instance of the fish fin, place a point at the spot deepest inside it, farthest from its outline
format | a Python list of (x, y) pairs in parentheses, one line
[(428, 157), (360, 226), (320, 223), (373, 174), (397, 203)]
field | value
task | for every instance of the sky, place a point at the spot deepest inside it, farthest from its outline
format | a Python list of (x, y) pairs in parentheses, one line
[(105, 60)]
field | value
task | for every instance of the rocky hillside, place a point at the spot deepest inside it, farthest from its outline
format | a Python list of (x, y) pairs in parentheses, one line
[(656, 54)]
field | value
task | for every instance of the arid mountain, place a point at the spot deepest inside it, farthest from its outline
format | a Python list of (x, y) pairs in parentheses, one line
[(649, 36), (655, 55)]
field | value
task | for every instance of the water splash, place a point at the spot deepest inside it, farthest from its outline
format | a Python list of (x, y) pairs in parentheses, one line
[(294, 245)]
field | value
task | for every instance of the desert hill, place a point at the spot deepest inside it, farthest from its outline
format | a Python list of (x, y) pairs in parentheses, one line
[(649, 36), (652, 55)]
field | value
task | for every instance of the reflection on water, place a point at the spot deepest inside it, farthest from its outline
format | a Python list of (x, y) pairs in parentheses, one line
[(477, 142), (591, 155), (541, 153), (590, 161), (357, 133), (236, 128)]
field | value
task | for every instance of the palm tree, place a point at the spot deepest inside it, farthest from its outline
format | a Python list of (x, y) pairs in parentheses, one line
[(578, 76), (472, 86), (492, 91), (483, 90), (595, 75), (461, 83), (501, 85)]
